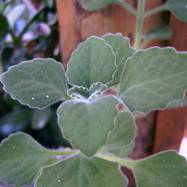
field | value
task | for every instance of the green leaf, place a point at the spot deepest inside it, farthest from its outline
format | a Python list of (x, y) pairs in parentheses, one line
[(36, 83), (81, 172), (86, 123), (152, 78), (161, 33), (40, 118), (97, 89), (167, 169), (4, 26), (78, 92), (121, 136), (21, 157), (122, 49), (93, 61), (94, 5), (179, 8), (177, 103)]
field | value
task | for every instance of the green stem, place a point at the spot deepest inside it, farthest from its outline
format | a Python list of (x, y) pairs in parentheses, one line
[(155, 10), (139, 23), (123, 162), (126, 6)]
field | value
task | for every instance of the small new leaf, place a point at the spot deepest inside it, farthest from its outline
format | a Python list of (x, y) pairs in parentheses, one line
[(86, 123), (167, 169), (21, 157), (152, 78), (36, 83), (179, 8), (81, 172), (121, 136), (93, 61)]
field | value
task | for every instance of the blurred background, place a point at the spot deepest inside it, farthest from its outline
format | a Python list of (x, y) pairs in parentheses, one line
[(28, 29), (53, 28)]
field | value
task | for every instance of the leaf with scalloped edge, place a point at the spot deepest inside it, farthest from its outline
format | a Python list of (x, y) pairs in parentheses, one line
[(93, 61), (81, 172), (21, 158), (121, 136), (179, 8), (152, 78), (86, 123), (166, 169), (122, 49), (36, 83)]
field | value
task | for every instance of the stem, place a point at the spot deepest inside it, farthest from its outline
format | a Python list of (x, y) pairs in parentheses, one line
[(139, 23), (155, 10), (127, 6), (123, 162)]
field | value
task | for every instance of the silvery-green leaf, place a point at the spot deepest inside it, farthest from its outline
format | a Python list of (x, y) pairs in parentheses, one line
[(179, 8), (152, 78), (97, 88), (86, 123), (81, 172), (121, 136), (161, 33), (122, 50), (21, 158), (94, 5), (37, 83), (166, 169), (92, 61), (177, 103), (78, 92)]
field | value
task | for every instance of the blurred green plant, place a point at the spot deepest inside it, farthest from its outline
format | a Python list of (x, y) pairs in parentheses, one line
[(25, 33)]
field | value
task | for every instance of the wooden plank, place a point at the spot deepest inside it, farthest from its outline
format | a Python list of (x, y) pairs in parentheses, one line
[(171, 123)]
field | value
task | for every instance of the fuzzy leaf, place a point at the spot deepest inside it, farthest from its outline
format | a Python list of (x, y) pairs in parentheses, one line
[(94, 5), (122, 49), (86, 123), (179, 8), (21, 157), (121, 136), (36, 83), (167, 169), (93, 61), (152, 78), (81, 172)]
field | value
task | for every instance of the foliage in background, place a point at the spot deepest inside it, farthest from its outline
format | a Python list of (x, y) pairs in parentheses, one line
[(27, 32)]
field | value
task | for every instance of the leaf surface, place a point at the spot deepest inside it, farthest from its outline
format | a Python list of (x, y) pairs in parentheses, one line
[(21, 157), (167, 169), (86, 123), (36, 83), (121, 136), (93, 61), (122, 50), (179, 8), (81, 172), (152, 78)]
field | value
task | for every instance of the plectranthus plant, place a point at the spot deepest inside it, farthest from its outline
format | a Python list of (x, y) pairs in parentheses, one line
[(107, 81)]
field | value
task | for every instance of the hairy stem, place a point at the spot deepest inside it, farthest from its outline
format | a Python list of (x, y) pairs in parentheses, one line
[(139, 23)]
